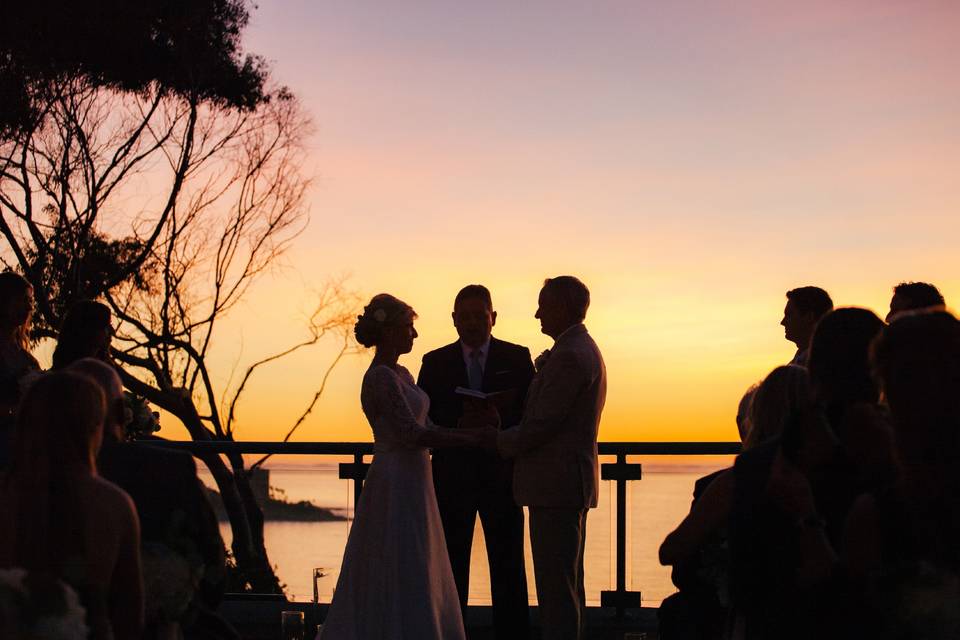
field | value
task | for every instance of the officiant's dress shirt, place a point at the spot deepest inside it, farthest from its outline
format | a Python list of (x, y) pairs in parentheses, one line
[(468, 354)]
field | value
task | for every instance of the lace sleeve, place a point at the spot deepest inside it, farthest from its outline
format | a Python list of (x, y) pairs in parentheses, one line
[(427, 422), (389, 412)]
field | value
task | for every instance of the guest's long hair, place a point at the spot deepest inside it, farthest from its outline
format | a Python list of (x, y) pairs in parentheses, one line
[(13, 286), (81, 334), (917, 359), (839, 360), (782, 394), (58, 431)]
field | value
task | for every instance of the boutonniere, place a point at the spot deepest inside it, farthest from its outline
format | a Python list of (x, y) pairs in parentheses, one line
[(541, 360)]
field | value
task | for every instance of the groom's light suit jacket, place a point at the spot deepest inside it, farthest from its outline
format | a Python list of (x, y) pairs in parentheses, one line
[(555, 444)]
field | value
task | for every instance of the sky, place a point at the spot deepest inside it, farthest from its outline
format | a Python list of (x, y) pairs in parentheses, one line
[(689, 161)]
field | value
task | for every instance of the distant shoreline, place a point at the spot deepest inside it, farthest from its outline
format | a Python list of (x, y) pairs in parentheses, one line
[(281, 511)]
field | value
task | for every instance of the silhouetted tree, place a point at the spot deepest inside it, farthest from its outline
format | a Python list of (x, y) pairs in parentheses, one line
[(168, 207)]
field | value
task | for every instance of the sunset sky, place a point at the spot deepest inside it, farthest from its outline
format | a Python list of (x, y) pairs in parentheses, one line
[(689, 161)]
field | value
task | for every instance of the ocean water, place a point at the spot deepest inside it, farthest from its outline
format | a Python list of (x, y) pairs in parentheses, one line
[(655, 505)]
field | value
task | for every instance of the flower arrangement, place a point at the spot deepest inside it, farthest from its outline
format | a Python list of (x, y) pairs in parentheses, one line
[(143, 420), (541, 360), (170, 581), (40, 607)]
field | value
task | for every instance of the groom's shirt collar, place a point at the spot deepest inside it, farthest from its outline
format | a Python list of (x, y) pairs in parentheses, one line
[(484, 352), (569, 330)]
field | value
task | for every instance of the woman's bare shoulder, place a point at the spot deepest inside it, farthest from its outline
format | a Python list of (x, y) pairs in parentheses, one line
[(109, 497)]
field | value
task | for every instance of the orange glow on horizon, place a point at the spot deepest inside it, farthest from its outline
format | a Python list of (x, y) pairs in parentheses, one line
[(690, 162)]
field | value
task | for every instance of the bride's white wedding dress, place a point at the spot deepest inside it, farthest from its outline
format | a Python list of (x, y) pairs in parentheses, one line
[(395, 581)]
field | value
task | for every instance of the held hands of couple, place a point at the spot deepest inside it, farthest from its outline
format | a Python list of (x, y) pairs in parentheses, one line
[(483, 437), (480, 424)]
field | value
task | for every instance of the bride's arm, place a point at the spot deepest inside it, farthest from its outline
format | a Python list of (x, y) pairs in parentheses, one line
[(442, 438), (394, 413)]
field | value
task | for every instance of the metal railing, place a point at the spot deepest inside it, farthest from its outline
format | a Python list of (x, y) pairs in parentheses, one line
[(620, 472)]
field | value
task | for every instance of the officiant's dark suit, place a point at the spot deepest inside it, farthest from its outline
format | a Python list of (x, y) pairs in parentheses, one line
[(472, 481)]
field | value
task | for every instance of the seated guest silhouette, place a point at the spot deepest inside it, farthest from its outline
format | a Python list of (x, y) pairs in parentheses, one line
[(16, 363), (911, 296), (898, 554), (901, 539), (805, 307), (697, 548), (178, 526), (847, 390), (472, 481), (839, 446), (59, 517)]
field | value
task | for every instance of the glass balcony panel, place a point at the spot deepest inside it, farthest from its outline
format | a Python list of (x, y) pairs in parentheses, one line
[(656, 505)]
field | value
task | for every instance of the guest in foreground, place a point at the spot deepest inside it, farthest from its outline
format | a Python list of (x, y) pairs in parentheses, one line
[(898, 557), (805, 307), (57, 516), (16, 362), (396, 581), (781, 395), (901, 539), (556, 473), (474, 481), (849, 393), (698, 548), (913, 296), (840, 445), (179, 529)]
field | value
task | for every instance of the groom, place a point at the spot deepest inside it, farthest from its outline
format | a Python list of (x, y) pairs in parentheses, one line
[(470, 482), (554, 448)]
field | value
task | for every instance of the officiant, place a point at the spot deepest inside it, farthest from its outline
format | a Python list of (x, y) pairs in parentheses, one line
[(471, 482)]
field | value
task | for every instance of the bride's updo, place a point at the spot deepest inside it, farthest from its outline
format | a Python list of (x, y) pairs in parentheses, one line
[(383, 311)]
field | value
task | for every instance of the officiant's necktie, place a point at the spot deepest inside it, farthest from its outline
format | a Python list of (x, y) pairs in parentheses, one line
[(475, 371)]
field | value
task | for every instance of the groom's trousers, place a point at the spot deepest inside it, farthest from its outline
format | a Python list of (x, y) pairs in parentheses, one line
[(557, 539), (461, 497)]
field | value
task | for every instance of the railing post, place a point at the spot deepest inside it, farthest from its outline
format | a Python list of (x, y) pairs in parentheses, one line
[(621, 472), (356, 471)]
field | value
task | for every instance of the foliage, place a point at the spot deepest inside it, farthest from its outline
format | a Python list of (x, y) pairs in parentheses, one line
[(186, 47), (144, 421)]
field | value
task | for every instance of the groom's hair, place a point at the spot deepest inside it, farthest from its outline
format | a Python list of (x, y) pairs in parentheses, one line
[(474, 291), (573, 293)]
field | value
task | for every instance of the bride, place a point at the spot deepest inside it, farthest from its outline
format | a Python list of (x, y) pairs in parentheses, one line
[(396, 581)]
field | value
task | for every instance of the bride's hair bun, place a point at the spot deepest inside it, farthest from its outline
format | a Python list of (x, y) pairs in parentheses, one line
[(384, 310)]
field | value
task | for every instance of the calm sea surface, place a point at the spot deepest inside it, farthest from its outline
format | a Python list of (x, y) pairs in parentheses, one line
[(655, 505)]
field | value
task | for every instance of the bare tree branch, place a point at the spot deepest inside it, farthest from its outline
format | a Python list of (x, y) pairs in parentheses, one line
[(169, 210), (334, 312), (345, 348)]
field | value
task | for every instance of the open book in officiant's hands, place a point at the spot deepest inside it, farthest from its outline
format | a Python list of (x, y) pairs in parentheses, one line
[(498, 399)]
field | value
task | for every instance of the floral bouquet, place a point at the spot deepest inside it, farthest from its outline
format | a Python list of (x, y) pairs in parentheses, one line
[(541, 360), (170, 581), (144, 421), (39, 606)]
